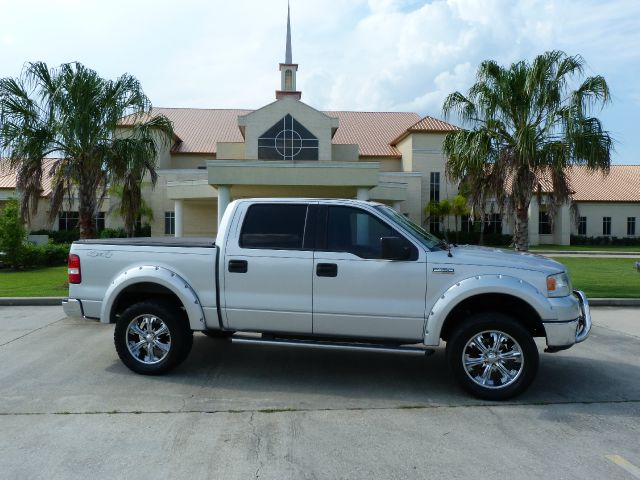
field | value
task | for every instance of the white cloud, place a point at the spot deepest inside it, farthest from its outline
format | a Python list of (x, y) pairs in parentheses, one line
[(353, 54)]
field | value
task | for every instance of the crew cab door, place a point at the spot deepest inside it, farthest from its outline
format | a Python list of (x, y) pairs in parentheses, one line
[(356, 292), (268, 270)]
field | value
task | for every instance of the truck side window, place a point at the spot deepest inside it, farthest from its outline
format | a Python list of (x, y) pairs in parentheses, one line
[(274, 226), (358, 232)]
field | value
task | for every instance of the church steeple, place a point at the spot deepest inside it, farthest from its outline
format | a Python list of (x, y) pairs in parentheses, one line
[(287, 55), (288, 69)]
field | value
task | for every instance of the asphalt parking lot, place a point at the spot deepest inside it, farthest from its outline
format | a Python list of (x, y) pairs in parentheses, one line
[(70, 409)]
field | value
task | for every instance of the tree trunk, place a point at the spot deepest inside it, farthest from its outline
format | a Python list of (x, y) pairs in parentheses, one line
[(481, 240), (521, 234), (86, 210), (455, 219)]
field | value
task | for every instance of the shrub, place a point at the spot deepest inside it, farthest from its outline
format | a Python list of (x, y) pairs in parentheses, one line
[(473, 238), (60, 236), (625, 241), (12, 234)]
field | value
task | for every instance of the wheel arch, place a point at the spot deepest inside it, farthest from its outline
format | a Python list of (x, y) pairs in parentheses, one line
[(507, 295), (147, 282)]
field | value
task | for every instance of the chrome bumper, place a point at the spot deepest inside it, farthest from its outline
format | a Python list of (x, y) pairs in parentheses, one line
[(72, 307), (562, 335)]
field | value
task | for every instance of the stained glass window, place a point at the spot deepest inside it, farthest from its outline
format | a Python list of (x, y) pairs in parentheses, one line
[(288, 140)]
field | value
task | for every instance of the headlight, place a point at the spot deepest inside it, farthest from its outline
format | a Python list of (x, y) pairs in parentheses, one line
[(558, 285)]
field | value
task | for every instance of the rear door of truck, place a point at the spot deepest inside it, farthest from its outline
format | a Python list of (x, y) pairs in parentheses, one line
[(267, 268)]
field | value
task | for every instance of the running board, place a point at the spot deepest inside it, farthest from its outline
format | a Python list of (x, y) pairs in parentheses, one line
[(356, 347)]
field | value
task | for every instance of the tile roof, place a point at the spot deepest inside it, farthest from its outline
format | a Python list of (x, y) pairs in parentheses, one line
[(8, 176), (201, 129), (426, 124), (373, 132), (621, 185)]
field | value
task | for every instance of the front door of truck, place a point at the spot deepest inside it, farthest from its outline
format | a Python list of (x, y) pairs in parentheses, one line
[(267, 271), (356, 293)]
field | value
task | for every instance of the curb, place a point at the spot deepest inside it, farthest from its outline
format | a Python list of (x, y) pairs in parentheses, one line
[(31, 301), (614, 302), (57, 301)]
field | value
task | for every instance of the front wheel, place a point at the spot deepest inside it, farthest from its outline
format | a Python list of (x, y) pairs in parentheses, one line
[(151, 337), (492, 356)]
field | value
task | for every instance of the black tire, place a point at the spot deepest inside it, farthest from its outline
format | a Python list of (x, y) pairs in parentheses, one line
[(148, 359), (218, 333), (502, 366)]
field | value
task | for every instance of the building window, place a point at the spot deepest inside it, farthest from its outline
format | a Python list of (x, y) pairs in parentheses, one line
[(169, 223), (68, 220), (287, 140), (466, 223), (493, 223), (582, 225), (434, 192), (606, 225), (99, 221), (631, 226), (544, 223), (288, 80), (434, 225)]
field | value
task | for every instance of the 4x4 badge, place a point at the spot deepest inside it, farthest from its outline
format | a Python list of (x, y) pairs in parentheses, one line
[(443, 270)]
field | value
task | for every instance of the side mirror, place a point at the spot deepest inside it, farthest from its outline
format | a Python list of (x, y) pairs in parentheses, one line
[(394, 248)]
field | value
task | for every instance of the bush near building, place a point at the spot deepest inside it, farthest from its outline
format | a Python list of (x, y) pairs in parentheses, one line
[(625, 241)]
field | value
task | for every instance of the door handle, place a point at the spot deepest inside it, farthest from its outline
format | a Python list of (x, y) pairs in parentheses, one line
[(238, 266), (327, 270)]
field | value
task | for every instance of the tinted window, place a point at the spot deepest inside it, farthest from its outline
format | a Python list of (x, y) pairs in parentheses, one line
[(356, 231), (272, 226)]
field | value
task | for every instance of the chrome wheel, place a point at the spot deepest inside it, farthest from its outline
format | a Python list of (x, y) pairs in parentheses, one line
[(148, 339), (493, 359)]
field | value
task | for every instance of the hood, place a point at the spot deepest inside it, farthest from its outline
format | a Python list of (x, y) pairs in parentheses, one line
[(496, 257)]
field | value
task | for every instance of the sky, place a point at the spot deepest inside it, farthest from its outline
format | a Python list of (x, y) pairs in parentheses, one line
[(371, 55)]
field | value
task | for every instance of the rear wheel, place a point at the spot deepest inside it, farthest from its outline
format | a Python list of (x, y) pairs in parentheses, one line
[(492, 356), (151, 337)]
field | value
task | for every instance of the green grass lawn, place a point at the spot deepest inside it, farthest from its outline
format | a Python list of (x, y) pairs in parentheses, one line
[(598, 277), (586, 248), (40, 282), (604, 277)]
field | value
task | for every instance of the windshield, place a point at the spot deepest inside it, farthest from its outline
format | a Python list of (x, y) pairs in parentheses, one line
[(419, 233)]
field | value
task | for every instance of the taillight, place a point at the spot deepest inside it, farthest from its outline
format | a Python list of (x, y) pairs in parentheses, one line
[(74, 269)]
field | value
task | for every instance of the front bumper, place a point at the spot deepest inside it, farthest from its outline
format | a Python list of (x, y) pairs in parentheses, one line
[(72, 308), (564, 334)]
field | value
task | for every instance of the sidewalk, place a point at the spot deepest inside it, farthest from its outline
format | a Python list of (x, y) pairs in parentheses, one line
[(49, 301)]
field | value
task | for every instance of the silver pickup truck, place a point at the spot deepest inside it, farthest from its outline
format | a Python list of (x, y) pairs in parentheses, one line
[(332, 274)]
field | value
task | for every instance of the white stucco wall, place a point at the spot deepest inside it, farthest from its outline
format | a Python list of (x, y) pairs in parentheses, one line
[(618, 211)]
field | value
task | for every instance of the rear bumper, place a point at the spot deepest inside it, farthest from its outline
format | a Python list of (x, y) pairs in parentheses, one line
[(72, 308), (564, 334)]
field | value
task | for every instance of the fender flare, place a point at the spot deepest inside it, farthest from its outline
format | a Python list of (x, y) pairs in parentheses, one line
[(161, 276), (478, 285)]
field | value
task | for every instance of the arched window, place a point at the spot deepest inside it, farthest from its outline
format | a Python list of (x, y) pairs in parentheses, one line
[(288, 80)]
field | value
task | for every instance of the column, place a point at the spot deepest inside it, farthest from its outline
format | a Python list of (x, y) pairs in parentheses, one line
[(363, 193), (534, 209), (224, 197), (396, 206), (179, 215)]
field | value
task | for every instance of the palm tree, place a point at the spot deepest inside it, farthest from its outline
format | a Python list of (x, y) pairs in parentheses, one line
[(71, 113), (459, 207), (122, 203), (438, 210), (527, 123)]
